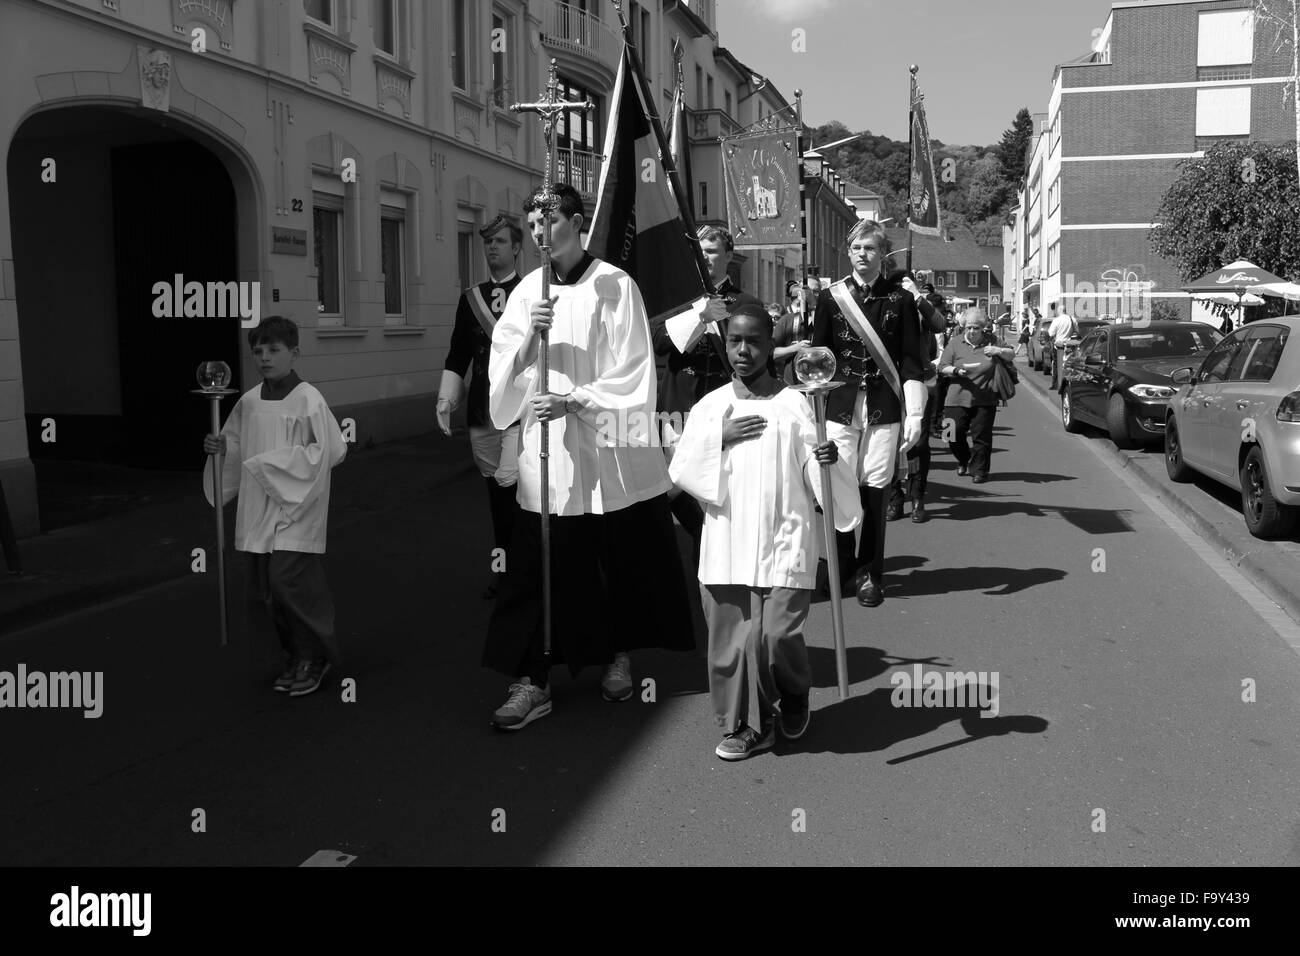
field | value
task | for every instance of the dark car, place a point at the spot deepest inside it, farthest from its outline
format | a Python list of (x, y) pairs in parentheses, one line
[(1056, 356), (1118, 378), (1039, 345)]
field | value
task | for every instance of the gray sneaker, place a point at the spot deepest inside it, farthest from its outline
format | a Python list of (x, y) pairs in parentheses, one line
[(307, 678), (526, 703), (284, 683), (616, 684), (746, 742)]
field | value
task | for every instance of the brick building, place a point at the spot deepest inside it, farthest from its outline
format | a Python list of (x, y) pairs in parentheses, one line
[(1166, 79)]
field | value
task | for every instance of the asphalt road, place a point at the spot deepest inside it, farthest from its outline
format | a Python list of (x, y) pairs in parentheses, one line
[(1119, 690)]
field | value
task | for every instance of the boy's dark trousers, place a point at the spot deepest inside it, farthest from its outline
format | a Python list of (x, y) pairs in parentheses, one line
[(287, 592)]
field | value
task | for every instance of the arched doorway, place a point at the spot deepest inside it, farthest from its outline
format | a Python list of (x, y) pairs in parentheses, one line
[(138, 198)]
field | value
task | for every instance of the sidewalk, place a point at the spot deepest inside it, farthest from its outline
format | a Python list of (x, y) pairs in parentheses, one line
[(1212, 510), (80, 565)]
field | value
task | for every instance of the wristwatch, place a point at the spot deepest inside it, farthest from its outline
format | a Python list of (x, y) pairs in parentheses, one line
[(571, 405)]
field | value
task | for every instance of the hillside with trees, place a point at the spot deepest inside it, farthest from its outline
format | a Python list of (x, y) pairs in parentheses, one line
[(977, 188)]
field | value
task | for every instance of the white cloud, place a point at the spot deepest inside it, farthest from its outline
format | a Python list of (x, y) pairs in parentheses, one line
[(786, 11)]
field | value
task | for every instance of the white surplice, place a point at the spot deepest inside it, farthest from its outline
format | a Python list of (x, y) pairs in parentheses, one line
[(605, 457), (760, 529), (279, 454)]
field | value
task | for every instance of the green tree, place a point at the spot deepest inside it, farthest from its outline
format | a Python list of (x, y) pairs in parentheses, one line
[(1238, 202), (1011, 151)]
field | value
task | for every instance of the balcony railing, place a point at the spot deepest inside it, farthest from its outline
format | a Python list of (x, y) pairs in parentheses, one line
[(580, 169), (583, 34)]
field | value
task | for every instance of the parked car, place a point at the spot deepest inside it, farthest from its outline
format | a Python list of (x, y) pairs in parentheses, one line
[(1118, 378), (1039, 345), (1057, 355), (1236, 419)]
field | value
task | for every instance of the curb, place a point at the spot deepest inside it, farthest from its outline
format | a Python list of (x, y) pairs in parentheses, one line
[(1276, 574)]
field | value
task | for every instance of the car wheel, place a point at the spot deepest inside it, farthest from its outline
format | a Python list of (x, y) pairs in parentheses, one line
[(1266, 517), (1117, 422), (1070, 423), (1177, 468)]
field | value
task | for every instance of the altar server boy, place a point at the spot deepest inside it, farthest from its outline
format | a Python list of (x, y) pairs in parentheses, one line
[(749, 454), (281, 441)]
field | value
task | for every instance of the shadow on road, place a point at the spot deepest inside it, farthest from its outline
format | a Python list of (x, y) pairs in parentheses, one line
[(872, 723), (968, 504)]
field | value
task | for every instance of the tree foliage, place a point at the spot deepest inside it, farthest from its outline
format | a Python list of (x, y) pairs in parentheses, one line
[(1241, 201), (977, 184)]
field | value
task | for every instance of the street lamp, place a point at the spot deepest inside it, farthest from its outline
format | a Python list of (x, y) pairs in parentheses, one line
[(988, 301)]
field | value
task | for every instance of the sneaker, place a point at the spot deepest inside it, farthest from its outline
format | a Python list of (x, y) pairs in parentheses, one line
[(617, 682), (746, 742), (307, 678), (285, 681), (526, 703), (795, 716)]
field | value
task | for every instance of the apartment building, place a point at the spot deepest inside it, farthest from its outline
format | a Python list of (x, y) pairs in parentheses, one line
[(1165, 80)]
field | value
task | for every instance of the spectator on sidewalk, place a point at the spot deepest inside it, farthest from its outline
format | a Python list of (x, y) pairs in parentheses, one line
[(785, 334), (971, 405), (281, 443)]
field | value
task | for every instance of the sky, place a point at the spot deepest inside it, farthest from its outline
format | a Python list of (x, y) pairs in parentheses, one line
[(980, 60)]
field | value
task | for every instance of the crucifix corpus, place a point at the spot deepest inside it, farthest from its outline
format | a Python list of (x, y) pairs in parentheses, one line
[(548, 110)]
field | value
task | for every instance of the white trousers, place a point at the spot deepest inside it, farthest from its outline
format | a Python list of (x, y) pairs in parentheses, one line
[(868, 453), (496, 452)]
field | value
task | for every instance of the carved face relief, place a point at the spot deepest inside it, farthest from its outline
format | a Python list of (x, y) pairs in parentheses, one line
[(158, 69)]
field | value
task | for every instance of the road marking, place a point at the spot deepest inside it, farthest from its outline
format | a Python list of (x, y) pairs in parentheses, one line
[(328, 858), (1281, 623)]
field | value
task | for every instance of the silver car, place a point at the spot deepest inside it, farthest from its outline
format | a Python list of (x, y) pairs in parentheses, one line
[(1236, 419)]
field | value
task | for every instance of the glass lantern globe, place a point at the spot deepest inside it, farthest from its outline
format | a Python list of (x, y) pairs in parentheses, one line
[(213, 375), (815, 365)]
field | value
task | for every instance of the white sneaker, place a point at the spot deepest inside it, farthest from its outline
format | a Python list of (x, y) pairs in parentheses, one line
[(525, 704), (617, 682)]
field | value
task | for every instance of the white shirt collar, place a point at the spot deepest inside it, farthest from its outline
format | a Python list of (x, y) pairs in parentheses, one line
[(512, 275)]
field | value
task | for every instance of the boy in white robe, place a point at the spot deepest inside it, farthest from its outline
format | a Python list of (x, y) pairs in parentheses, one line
[(749, 454), (281, 441)]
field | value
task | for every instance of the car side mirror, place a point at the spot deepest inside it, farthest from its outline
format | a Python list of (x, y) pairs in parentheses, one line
[(1181, 376), (1092, 360)]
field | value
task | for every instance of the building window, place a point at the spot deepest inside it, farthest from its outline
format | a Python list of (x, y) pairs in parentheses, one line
[(465, 229), (952, 279), (322, 11), (1242, 71), (459, 63), (500, 69), (327, 238), (1223, 111), (710, 89), (1226, 38), (704, 199), (699, 88), (1054, 258), (1055, 140), (1054, 195), (392, 250), (726, 98), (973, 279), (385, 26)]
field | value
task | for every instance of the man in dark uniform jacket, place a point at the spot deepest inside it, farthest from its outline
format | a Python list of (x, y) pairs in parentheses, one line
[(692, 348), (880, 407), (496, 452)]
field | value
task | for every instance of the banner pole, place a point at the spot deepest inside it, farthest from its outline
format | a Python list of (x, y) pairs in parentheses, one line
[(911, 156), (804, 331)]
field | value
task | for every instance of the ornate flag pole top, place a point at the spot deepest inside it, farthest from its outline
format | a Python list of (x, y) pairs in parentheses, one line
[(548, 108)]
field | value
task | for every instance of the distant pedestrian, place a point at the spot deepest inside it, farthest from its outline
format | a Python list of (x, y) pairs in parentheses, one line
[(749, 454), (1022, 339), (281, 443), (971, 403), (792, 332)]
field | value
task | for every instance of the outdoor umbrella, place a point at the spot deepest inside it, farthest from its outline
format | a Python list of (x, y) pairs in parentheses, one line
[(1236, 278)]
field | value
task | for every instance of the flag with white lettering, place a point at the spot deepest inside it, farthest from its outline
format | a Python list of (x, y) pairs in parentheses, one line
[(641, 223)]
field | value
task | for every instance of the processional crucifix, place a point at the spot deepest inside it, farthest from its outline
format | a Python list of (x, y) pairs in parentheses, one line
[(548, 109)]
